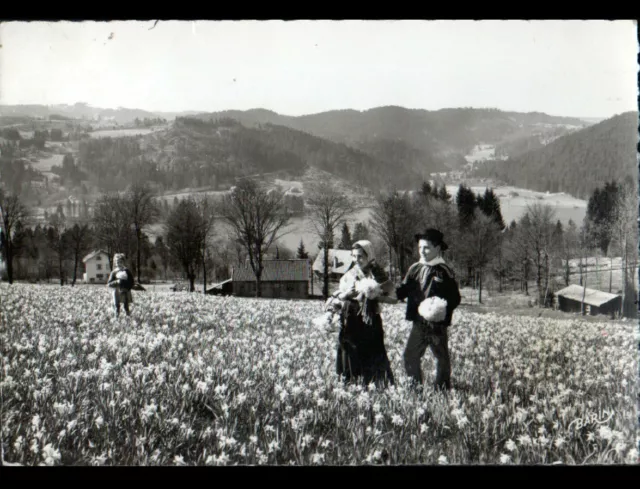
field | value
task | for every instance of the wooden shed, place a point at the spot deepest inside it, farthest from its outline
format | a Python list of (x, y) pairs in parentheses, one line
[(281, 279), (596, 302)]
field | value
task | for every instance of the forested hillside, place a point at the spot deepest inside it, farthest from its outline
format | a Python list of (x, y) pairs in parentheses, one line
[(575, 163)]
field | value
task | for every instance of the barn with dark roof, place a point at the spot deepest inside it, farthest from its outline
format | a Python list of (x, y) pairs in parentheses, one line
[(281, 279)]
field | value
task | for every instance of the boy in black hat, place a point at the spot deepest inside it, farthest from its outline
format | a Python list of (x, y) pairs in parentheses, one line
[(429, 277)]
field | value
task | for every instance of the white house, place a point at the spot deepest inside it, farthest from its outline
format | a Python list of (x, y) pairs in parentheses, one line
[(339, 262), (96, 267)]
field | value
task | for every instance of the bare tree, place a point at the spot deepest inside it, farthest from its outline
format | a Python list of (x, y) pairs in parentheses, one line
[(57, 241), (518, 251), (570, 246), (184, 237), (484, 233), (394, 221), (12, 212), (206, 209), (257, 218), (111, 226), (140, 211), (625, 235), (328, 207), (79, 239), (538, 237)]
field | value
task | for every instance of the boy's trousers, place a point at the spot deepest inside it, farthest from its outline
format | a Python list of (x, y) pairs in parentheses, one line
[(435, 336)]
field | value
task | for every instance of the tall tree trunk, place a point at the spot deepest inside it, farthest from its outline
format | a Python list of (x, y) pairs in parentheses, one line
[(581, 270), (584, 293), (480, 287), (60, 270), (138, 239), (391, 275), (625, 277), (204, 274), (610, 273), (192, 278), (325, 287), (9, 256), (259, 284), (75, 268)]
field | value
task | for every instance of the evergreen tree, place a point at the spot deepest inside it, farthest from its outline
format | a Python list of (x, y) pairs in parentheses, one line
[(489, 204), (345, 240), (466, 202), (302, 252), (425, 189), (443, 194), (360, 232)]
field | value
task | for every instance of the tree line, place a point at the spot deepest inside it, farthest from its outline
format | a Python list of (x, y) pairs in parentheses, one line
[(202, 236)]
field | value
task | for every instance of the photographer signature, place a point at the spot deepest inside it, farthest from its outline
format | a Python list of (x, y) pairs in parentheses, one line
[(592, 419)]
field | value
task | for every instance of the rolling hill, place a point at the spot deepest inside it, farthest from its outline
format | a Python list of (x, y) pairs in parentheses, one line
[(446, 135), (193, 152), (574, 163), (121, 115)]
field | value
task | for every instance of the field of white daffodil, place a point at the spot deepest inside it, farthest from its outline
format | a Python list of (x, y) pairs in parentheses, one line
[(200, 380)]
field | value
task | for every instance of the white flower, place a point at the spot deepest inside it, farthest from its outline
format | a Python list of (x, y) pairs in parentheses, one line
[(505, 458), (317, 458), (50, 454), (99, 460), (18, 443), (179, 460), (397, 420), (463, 421), (605, 433), (201, 387), (433, 309), (423, 428), (369, 287), (632, 456), (559, 441), (510, 445), (442, 460)]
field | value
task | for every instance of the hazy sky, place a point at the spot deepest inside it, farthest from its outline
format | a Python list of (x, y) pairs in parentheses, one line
[(572, 68)]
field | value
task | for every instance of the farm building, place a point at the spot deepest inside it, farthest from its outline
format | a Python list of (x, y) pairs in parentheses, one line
[(281, 279), (596, 302), (96, 267), (223, 288), (339, 261)]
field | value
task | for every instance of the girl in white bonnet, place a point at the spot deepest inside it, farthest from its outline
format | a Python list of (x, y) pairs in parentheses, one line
[(361, 352), (121, 281)]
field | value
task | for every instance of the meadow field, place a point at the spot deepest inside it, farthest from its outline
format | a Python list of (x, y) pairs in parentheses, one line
[(119, 133), (195, 380)]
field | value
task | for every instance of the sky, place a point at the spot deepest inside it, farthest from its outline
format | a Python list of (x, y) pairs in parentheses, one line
[(566, 68)]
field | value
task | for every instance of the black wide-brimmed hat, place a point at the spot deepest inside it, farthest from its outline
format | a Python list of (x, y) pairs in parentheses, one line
[(433, 236)]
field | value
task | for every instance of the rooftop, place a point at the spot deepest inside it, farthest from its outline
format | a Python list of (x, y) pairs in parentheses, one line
[(591, 296), (274, 271)]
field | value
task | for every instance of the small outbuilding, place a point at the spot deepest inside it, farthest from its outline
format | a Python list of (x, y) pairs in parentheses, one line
[(281, 279), (596, 302)]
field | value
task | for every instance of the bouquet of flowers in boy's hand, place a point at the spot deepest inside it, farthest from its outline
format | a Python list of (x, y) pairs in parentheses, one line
[(121, 275), (368, 288), (433, 309)]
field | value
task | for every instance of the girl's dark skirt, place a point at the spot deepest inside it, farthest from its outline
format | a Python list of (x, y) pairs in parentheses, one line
[(361, 355)]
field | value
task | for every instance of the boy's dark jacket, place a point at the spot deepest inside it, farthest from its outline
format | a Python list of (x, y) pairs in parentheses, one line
[(443, 285)]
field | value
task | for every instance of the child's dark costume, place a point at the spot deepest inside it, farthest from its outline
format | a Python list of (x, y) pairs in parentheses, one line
[(121, 281), (434, 278)]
